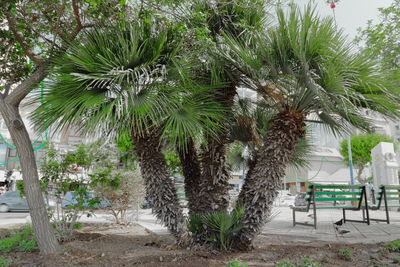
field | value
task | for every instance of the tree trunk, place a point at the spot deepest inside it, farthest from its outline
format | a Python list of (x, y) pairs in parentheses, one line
[(359, 173), (249, 175), (192, 174), (44, 232), (262, 184), (215, 175), (160, 188)]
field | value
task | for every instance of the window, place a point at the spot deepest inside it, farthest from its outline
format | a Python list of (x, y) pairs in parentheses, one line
[(397, 127)]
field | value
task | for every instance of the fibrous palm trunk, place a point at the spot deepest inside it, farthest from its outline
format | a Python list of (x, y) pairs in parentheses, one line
[(192, 173), (262, 185), (160, 188), (215, 175), (47, 241)]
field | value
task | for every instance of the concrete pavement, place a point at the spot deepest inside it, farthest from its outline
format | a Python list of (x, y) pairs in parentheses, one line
[(279, 225)]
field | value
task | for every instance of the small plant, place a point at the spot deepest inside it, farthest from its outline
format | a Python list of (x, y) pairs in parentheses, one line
[(21, 240), (396, 260), (393, 246), (236, 263), (4, 262), (285, 263), (345, 254), (217, 228), (308, 262)]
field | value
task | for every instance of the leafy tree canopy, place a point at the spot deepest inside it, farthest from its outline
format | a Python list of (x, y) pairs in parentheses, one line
[(382, 39), (361, 146)]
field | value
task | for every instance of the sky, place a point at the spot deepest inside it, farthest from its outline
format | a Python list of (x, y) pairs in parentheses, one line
[(351, 14)]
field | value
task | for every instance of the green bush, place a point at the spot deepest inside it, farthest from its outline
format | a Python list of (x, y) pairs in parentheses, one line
[(345, 254), (308, 262), (218, 228), (393, 246), (21, 240), (236, 263), (285, 263), (4, 262)]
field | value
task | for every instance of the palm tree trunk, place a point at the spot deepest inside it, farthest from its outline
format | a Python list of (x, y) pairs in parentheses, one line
[(160, 188), (192, 173), (249, 175), (262, 185), (44, 233), (215, 177)]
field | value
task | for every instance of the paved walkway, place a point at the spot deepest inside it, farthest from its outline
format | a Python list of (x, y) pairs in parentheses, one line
[(282, 224)]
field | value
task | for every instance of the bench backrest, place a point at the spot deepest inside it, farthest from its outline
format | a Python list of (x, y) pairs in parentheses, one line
[(388, 192), (331, 192)]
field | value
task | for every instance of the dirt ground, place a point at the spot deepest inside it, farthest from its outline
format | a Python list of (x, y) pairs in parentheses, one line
[(111, 245)]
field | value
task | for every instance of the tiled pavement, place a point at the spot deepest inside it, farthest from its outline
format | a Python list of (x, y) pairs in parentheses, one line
[(282, 224)]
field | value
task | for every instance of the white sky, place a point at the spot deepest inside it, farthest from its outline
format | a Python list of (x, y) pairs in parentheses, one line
[(350, 14)]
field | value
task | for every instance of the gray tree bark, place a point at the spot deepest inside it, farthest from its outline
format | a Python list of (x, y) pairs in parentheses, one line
[(160, 188), (9, 109)]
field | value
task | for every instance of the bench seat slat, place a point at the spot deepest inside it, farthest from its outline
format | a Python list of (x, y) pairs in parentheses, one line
[(392, 187), (336, 193), (334, 186), (336, 199)]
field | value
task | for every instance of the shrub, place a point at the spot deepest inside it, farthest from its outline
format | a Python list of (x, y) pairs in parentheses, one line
[(393, 246), (345, 254), (4, 262), (236, 263), (218, 228)]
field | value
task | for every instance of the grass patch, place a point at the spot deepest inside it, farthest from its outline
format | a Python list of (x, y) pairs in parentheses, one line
[(4, 262), (236, 263), (304, 262), (19, 240), (345, 254), (394, 246)]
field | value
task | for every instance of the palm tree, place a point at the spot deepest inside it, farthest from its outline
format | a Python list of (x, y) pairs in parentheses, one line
[(128, 79), (237, 17), (302, 67)]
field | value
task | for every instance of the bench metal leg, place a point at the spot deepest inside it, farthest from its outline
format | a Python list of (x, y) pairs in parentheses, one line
[(294, 217), (315, 216), (344, 216)]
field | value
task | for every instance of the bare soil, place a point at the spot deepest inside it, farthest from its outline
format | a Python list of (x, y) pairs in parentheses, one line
[(111, 245)]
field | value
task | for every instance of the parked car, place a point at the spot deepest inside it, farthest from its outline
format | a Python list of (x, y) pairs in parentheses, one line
[(12, 201), (70, 199), (300, 200)]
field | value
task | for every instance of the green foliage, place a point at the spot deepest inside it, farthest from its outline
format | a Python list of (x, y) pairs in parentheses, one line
[(21, 240), (217, 228), (382, 39), (304, 262), (345, 254), (236, 263), (4, 262), (361, 146), (393, 246), (285, 263), (172, 161)]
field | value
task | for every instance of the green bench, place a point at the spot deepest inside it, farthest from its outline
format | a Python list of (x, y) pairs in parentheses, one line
[(387, 192), (319, 194)]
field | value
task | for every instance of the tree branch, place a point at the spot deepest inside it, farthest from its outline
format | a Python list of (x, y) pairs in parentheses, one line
[(23, 89), (77, 16), (20, 38)]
